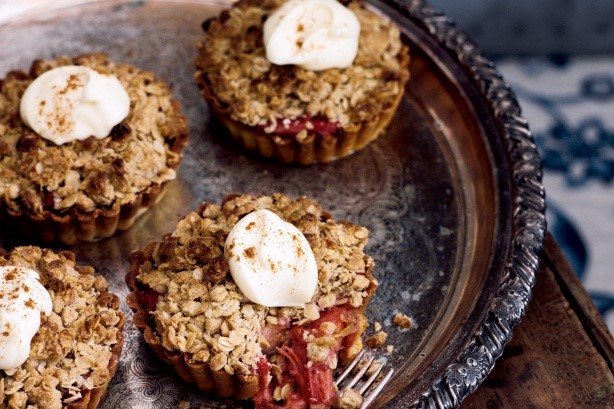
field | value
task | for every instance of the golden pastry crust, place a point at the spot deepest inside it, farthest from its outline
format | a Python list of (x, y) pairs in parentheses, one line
[(195, 317), (334, 111), (87, 189), (76, 350)]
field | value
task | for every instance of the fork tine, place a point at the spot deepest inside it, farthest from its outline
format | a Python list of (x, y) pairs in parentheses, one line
[(373, 385), (349, 368), (371, 396), (374, 375), (360, 373)]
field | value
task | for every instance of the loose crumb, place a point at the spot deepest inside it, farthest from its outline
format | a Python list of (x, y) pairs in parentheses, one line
[(374, 367), (377, 326), (377, 340), (402, 320)]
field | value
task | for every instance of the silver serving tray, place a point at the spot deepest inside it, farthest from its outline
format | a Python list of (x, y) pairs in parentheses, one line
[(451, 194)]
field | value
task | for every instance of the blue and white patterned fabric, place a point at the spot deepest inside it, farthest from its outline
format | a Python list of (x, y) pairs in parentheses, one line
[(569, 102)]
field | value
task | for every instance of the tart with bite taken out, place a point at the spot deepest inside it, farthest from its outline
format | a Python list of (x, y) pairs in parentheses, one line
[(61, 331), (258, 298), (86, 146), (295, 86)]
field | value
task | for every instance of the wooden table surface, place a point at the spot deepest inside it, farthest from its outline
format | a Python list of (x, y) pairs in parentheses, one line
[(561, 354)]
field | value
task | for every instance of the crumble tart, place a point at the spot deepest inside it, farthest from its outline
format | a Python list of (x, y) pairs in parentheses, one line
[(293, 114), (75, 352), (91, 188), (194, 316)]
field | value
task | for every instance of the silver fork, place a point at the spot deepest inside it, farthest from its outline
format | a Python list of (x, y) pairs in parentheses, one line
[(368, 380)]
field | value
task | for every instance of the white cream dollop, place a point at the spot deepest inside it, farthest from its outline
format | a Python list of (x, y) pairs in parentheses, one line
[(313, 34), (22, 300), (271, 261), (73, 103)]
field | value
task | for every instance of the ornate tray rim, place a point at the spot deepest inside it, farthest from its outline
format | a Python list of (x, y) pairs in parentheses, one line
[(477, 358)]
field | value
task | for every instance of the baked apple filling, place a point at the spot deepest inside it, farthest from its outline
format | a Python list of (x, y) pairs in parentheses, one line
[(299, 373), (309, 124)]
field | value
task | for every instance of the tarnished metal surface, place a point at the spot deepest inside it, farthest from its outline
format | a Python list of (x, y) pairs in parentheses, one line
[(451, 193)]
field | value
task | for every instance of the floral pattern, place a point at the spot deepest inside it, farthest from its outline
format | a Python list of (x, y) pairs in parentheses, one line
[(470, 371), (512, 301)]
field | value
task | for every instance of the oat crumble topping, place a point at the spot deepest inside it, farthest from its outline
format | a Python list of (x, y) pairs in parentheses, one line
[(232, 61), (72, 349), (200, 311), (37, 175)]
